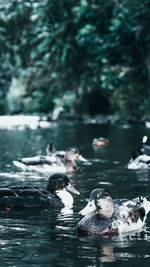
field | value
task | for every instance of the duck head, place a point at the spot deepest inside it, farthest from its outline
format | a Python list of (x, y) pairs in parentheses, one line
[(50, 149), (73, 154), (101, 202), (59, 181)]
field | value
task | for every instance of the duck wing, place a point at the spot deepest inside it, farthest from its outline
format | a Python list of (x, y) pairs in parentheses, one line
[(60, 154), (133, 209), (141, 162), (144, 158), (37, 161), (130, 215), (28, 197)]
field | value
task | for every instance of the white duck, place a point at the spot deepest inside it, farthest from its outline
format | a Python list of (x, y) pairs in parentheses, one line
[(139, 161), (64, 163)]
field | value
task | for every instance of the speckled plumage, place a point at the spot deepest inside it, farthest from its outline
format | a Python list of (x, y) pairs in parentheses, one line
[(104, 216), (95, 224)]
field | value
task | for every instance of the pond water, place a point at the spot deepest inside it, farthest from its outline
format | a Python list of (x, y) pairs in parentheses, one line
[(49, 238)]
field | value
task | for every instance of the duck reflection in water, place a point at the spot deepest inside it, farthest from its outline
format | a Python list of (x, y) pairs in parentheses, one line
[(105, 248), (102, 248)]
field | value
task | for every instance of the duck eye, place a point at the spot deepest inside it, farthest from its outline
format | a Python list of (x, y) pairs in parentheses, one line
[(106, 194)]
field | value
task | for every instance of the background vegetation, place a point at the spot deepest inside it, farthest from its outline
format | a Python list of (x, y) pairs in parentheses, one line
[(89, 56)]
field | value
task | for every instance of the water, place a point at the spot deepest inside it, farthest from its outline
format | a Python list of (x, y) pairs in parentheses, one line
[(49, 238)]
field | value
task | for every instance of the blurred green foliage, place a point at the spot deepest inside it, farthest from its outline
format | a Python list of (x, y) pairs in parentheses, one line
[(89, 56)]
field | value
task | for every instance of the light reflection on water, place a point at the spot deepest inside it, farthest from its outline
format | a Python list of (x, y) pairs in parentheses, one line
[(49, 238)]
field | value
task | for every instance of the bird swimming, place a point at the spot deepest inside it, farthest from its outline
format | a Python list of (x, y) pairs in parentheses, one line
[(100, 142), (139, 161), (54, 195), (141, 158), (57, 162), (105, 216)]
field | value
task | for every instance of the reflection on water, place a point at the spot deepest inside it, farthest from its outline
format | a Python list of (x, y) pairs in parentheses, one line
[(102, 247), (110, 249), (49, 238)]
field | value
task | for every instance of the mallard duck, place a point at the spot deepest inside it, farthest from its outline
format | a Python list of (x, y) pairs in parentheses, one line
[(58, 162), (104, 216), (100, 142), (139, 161), (54, 195)]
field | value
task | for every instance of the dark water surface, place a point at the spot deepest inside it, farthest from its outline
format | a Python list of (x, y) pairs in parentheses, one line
[(48, 238)]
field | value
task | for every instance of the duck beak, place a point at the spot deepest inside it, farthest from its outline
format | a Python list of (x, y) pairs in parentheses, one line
[(90, 207), (72, 189), (82, 158)]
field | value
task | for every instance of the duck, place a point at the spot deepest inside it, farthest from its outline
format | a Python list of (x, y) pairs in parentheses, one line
[(105, 216), (56, 194), (58, 162), (139, 160), (100, 142)]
